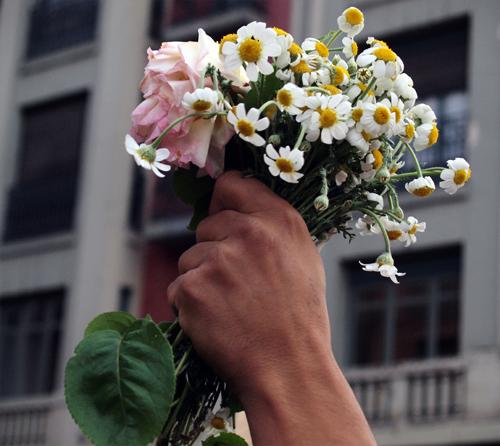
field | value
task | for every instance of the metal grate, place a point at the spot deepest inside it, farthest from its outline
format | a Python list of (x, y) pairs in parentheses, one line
[(23, 427)]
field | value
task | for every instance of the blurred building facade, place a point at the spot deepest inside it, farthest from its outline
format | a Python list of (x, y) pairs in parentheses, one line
[(83, 231)]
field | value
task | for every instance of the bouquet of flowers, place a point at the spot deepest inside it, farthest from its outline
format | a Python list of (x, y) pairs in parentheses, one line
[(324, 127)]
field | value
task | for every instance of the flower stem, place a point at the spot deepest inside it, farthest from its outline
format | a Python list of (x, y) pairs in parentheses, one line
[(371, 83), (300, 138), (265, 105), (415, 159), (381, 226)]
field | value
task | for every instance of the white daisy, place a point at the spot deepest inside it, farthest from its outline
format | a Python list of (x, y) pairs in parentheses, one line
[(367, 170), (421, 186), (403, 87), (202, 100), (350, 49), (148, 157), (377, 119), (285, 41), (315, 46), (422, 114), (330, 118), (366, 226), (340, 73), (427, 136), (291, 99), (214, 424), (396, 106), (395, 230), (409, 130), (455, 177), (375, 198), (284, 164), (359, 87), (385, 269), (248, 124), (254, 46), (409, 236), (384, 61), (351, 21)]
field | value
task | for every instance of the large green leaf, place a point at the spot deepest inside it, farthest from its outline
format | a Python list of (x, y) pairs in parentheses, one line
[(118, 321), (119, 386), (225, 439)]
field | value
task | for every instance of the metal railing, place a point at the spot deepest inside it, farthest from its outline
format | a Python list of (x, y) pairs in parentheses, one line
[(25, 422), (411, 393), (58, 25)]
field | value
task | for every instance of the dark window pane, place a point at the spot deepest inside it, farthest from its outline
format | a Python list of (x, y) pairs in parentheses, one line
[(411, 333), (449, 319), (42, 199), (55, 25), (370, 339), (30, 328)]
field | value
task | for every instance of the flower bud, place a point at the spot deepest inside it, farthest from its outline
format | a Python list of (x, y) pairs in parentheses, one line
[(305, 146), (321, 203), (399, 212), (385, 259), (275, 140), (383, 175)]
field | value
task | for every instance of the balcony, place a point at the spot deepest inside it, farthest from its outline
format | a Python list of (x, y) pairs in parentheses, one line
[(40, 208), (27, 422), (421, 402), (58, 25)]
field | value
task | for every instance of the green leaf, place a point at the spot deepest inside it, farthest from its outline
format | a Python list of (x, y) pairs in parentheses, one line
[(225, 439), (164, 326), (114, 320), (190, 188), (119, 386)]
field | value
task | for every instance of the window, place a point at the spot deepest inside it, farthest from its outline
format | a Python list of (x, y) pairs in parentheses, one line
[(442, 84), (30, 333), (59, 24), (42, 199), (415, 320)]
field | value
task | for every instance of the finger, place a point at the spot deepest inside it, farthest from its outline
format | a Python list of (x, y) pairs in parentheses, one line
[(195, 256), (246, 195), (177, 289), (220, 226)]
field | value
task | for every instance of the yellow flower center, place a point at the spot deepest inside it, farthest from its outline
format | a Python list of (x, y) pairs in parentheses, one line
[(250, 50), (279, 31), (327, 118), (380, 42), (227, 38), (354, 48), (397, 112), (363, 87), (245, 127), (412, 230), (201, 105), (295, 49), (301, 68), (354, 16), (147, 153), (410, 131), (322, 49), (366, 136), (271, 111), (385, 54), (433, 135), (423, 191), (357, 113), (382, 115), (218, 423), (379, 159), (340, 74), (284, 165), (461, 176), (394, 234), (332, 89), (284, 97)]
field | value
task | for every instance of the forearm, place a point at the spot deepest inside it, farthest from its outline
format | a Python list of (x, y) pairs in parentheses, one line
[(310, 405)]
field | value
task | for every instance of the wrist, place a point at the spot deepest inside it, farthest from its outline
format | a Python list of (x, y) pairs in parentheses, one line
[(309, 403)]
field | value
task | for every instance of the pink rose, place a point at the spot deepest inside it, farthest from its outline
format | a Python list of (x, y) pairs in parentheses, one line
[(172, 71)]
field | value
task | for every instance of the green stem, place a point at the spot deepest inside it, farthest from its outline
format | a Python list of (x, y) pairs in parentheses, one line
[(371, 83), (162, 135), (381, 226), (431, 171), (415, 159), (173, 416), (183, 360), (300, 138)]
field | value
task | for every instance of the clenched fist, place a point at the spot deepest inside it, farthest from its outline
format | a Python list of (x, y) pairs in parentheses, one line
[(251, 296)]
